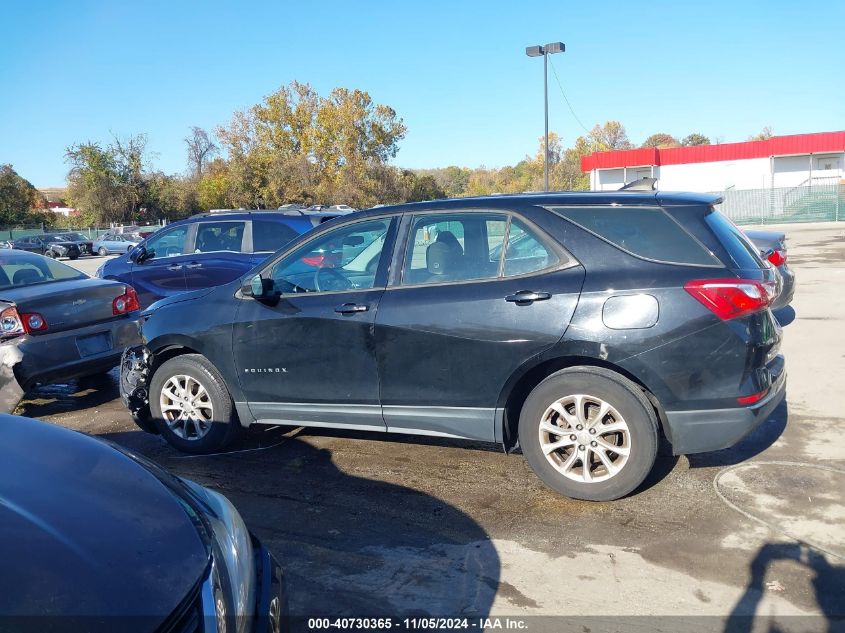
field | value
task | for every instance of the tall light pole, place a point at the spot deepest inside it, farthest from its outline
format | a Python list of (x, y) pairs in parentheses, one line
[(544, 52)]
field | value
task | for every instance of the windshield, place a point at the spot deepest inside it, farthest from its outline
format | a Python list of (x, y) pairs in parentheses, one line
[(19, 270), (54, 238), (77, 237)]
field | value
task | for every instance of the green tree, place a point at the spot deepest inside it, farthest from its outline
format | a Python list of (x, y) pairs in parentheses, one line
[(695, 139), (19, 200), (661, 139), (424, 188), (201, 149)]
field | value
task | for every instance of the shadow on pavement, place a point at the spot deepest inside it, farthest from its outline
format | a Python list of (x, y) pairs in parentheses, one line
[(74, 395), (350, 546), (827, 581), (758, 441)]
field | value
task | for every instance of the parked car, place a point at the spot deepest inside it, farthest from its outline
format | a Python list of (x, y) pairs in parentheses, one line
[(631, 314), (115, 243), (49, 245), (205, 250), (85, 244), (57, 323), (772, 245), (95, 535), (342, 208), (6, 244)]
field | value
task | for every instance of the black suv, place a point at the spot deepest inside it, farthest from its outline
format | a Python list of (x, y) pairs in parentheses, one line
[(48, 244), (576, 326)]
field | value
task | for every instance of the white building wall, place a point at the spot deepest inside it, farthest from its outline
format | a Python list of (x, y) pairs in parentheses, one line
[(753, 173)]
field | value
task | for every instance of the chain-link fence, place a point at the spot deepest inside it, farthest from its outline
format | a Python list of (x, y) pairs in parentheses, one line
[(822, 202)]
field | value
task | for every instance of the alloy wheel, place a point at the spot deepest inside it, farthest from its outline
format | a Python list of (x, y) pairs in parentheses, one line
[(584, 438), (186, 407)]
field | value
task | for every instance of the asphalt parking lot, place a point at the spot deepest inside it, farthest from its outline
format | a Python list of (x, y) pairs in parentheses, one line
[(366, 524)]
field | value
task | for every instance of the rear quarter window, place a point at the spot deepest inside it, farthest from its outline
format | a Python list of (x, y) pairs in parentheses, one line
[(646, 232), (741, 250), (269, 236)]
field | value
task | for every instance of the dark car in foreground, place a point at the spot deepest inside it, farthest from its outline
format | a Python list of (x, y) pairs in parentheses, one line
[(53, 246), (57, 323), (85, 244), (98, 539), (206, 250), (577, 326), (772, 245)]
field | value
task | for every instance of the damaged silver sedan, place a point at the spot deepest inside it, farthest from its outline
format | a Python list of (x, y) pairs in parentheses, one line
[(57, 324)]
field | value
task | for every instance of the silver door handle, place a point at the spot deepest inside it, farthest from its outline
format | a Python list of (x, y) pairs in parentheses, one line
[(175, 267), (194, 265)]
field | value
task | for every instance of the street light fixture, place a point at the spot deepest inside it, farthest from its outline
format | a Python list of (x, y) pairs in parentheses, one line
[(544, 52)]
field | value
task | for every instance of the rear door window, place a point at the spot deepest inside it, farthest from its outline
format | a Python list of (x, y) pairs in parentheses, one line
[(269, 236), (646, 232)]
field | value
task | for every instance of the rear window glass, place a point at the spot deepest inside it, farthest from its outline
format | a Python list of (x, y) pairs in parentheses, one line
[(645, 232), (742, 252), (25, 270), (269, 236)]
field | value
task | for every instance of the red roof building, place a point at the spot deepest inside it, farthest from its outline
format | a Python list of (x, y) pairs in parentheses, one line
[(781, 161)]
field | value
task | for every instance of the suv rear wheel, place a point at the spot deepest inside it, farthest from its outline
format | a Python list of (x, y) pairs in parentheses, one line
[(191, 406), (589, 433)]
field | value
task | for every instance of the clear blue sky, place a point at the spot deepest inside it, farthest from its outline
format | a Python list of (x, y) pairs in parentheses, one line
[(455, 71)]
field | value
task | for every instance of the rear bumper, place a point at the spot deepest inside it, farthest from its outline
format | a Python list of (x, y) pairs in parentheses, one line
[(788, 289), (701, 431), (49, 358)]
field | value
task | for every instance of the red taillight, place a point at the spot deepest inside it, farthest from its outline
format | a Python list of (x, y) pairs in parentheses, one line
[(777, 258), (754, 397), (33, 322), (127, 302), (14, 324), (732, 298)]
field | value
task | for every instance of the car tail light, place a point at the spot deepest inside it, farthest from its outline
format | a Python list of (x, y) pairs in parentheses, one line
[(13, 323), (127, 302), (777, 258), (754, 397), (732, 298)]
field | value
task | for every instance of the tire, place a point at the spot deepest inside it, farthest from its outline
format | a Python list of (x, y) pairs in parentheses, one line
[(102, 252), (631, 426), (75, 256), (221, 425), (50, 254)]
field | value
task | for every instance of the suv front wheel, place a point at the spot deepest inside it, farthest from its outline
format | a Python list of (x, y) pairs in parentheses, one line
[(191, 406), (589, 433)]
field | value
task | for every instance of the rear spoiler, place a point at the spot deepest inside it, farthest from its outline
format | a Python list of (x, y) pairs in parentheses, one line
[(641, 184)]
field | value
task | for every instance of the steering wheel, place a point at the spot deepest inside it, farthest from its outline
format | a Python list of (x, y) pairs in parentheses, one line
[(340, 282)]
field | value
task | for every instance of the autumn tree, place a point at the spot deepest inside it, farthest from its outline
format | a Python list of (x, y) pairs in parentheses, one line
[(201, 150), (610, 136), (297, 146), (661, 139), (695, 139), (764, 135)]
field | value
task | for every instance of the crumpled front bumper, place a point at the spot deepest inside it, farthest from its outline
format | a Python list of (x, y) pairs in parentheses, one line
[(135, 367), (10, 390)]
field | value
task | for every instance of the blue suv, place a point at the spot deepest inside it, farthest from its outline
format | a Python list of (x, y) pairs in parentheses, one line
[(206, 250)]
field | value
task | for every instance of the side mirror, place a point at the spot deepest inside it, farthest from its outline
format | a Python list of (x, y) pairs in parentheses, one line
[(140, 254), (256, 287)]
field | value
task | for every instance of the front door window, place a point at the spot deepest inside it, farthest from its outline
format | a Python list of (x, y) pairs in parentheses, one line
[(344, 259)]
